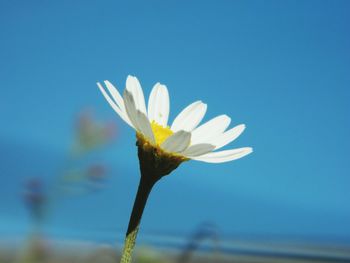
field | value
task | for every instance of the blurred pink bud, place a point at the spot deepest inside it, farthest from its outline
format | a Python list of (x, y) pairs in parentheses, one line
[(96, 172), (110, 130)]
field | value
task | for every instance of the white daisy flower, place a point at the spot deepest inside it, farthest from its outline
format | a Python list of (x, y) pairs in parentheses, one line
[(185, 138), (162, 148)]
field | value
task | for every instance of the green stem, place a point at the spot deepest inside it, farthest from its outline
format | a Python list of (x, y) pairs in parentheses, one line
[(144, 189), (129, 246)]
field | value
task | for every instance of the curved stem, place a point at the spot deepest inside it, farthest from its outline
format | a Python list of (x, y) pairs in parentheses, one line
[(144, 189)]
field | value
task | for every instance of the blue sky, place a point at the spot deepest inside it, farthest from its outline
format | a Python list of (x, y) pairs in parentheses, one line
[(280, 67)]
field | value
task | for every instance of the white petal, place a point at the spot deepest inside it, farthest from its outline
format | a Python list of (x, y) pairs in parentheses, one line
[(158, 105), (131, 109), (210, 129), (190, 117), (198, 149), (145, 126), (227, 136), (121, 113), (138, 118), (134, 87), (177, 142), (224, 156), (115, 95)]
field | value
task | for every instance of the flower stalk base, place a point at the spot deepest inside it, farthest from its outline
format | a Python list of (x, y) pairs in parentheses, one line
[(129, 246)]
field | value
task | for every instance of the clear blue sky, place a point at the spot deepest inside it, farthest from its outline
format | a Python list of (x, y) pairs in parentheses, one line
[(280, 67)]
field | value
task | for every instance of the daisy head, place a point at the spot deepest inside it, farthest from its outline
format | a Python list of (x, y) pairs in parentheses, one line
[(184, 139)]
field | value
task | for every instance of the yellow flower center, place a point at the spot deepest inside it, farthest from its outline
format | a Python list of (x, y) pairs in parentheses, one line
[(160, 133)]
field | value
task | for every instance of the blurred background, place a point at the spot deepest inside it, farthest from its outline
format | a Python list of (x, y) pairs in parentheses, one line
[(68, 164)]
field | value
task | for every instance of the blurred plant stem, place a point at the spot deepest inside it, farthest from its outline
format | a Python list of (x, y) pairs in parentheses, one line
[(205, 231), (145, 186)]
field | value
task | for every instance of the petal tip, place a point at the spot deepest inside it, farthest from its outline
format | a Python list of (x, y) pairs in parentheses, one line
[(100, 86), (249, 150)]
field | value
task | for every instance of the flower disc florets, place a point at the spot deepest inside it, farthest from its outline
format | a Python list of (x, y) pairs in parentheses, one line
[(154, 161)]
